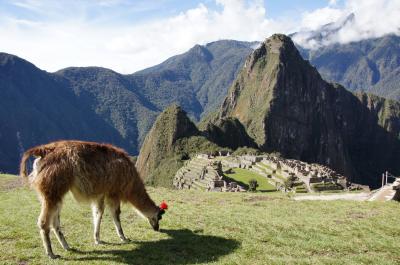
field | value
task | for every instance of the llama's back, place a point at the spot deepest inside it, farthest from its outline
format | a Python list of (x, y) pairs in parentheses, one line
[(88, 169)]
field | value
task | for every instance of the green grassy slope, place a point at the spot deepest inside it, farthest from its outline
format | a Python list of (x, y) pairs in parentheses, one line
[(209, 228), (244, 176)]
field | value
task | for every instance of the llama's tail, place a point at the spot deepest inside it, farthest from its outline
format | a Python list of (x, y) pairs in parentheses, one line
[(38, 151)]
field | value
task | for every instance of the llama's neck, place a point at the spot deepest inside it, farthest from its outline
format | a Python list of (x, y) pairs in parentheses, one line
[(141, 200)]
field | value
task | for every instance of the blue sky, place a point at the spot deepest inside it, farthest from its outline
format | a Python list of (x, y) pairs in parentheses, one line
[(127, 36), (141, 10)]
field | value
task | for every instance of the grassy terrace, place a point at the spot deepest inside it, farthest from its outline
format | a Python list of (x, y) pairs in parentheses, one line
[(277, 174), (243, 176), (209, 228)]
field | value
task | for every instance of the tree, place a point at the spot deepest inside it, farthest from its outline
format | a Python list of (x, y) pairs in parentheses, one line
[(253, 184)]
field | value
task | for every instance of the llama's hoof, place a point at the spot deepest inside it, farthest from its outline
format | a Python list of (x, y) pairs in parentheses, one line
[(125, 240), (67, 248), (52, 256), (99, 242)]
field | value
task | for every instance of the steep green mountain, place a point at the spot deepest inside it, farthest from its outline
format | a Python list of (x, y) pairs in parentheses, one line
[(196, 80), (372, 65), (37, 107), (98, 104), (227, 132), (287, 107), (172, 139), (112, 98)]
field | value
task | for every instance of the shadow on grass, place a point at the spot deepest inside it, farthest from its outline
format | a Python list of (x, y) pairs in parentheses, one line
[(184, 247)]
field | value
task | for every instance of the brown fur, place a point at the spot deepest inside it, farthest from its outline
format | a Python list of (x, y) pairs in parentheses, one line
[(93, 172)]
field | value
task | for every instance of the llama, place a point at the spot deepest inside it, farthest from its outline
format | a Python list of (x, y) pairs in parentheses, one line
[(100, 174)]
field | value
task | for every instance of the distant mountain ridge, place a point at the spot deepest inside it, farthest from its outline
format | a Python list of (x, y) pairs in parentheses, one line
[(371, 65), (196, 80), (98, 104), (38, 107), (122, 108)]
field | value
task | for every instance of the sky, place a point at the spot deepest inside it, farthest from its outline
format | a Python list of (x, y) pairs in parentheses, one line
[(130, 35)]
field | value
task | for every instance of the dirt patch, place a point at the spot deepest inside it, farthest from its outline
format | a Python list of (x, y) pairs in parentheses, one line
[(331, 197), (361, 215), (11, 184), (261, 198)]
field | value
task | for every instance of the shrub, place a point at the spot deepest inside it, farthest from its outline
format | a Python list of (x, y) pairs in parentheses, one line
[(246, 151), (253, 184), (288, 184)]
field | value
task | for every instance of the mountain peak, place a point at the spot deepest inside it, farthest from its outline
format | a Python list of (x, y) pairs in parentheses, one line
[(278, 41), (200, 52), (286, 106), (9, 60), (171, 125), (279, 46)]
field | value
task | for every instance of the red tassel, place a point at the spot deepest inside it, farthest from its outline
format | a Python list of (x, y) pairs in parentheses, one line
[(163, 205)]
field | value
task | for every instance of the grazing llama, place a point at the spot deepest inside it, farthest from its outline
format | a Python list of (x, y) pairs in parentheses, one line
[(96, 173)]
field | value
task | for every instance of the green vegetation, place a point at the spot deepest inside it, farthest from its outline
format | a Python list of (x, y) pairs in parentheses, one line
[(253, 185), (369, 65), (168, 165), (209, 228), (246, 151), (243, 176), (301, 189), (277, 174), (326, 187), (122, 108)]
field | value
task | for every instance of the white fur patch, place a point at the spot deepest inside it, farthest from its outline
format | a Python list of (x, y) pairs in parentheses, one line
[(34, 172), (140, 214)]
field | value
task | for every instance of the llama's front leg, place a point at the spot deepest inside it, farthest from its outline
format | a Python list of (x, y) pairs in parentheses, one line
[(57, 230), (44, 221), (116, 212), (97, 210)]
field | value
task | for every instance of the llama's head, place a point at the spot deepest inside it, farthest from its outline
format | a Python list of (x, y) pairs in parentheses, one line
[(155, 219), (157, 216)]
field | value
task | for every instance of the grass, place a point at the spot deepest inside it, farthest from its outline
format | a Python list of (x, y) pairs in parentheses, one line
[(244, 176), (276, 174), (209, 228)]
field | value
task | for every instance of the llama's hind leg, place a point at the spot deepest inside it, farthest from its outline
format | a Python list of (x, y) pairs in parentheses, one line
[(44, 223), (97, 210), (57, 229), (115, 210)]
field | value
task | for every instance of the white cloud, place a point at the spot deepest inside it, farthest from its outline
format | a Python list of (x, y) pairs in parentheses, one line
[(62, 43), (69, 38), (372, 18), (314, 19)]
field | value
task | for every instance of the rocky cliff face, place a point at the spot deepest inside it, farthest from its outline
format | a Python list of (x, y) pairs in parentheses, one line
[(286, 106), (228, 132)]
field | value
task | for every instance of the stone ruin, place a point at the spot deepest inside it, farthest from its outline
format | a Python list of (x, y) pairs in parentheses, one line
[(205, 172), (279, 170), (202, 173)]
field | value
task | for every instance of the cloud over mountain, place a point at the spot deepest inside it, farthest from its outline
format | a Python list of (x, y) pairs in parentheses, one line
[(127, 36), (371, 19)]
